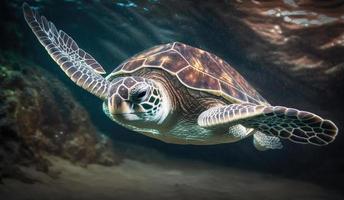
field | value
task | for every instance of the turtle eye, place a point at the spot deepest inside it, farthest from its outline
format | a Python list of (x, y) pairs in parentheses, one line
[(139, 96)]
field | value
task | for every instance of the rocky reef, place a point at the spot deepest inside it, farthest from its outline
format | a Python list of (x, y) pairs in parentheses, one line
[(38, 117)]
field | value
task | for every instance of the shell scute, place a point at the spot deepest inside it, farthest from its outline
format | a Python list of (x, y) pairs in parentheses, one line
[(155, 60), (132, 65), (174, 62), (195, 78), (199, 59)]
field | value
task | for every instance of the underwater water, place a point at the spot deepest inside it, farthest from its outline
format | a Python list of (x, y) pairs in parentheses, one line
[(291, 52)]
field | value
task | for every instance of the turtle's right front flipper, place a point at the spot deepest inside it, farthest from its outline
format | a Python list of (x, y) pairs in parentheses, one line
[(288, 123), (80, 66)]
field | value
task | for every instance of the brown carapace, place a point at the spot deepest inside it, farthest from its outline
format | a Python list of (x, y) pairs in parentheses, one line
[(197, 69)]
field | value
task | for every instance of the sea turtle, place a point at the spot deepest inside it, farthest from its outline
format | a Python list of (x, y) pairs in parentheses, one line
[(180, 94)]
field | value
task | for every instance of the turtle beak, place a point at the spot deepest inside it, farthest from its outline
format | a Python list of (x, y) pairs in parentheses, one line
[(117, 105)]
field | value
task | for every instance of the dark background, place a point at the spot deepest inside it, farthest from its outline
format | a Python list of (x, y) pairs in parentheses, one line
[(294, 66)]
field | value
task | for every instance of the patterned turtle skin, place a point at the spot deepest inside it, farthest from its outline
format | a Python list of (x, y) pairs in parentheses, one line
[(196, 69), (181, 94)]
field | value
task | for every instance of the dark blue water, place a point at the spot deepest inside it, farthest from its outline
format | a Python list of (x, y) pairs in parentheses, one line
[(112, 31)]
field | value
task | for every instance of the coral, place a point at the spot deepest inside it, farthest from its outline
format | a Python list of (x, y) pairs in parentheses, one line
[(38, 117)]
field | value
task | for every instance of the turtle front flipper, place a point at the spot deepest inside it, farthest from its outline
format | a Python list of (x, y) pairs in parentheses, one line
[(287, 123), (79, 66)]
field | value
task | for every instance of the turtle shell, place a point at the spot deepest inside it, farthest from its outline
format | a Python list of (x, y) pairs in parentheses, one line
[(196, 69)]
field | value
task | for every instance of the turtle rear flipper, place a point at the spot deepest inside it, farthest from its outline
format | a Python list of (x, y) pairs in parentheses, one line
[(80, 66), (287, 123)]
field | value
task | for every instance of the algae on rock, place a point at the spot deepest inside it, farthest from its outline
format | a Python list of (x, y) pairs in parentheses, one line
[(38, 117)]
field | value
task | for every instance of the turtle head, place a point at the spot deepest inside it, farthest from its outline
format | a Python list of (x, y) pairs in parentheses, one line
[(136, 101)]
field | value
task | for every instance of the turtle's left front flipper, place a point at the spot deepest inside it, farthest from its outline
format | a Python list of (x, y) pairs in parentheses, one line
[(80, 66), (288, 123)]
